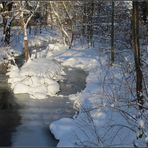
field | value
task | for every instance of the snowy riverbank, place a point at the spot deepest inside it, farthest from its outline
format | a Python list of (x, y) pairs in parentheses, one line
[(104, 116), (37, 77)]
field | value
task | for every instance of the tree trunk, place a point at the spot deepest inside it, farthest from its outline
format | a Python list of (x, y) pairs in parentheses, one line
[(7, 33), (49, 15), (4, 17), (90, 21), (6, 23), (136, 47), (112, 35), (26, 48), (84, 19)]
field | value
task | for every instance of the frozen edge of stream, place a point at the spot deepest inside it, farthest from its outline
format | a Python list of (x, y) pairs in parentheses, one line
[(61, 96)]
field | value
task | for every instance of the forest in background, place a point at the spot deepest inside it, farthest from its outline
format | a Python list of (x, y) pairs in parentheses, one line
[(114, 27)]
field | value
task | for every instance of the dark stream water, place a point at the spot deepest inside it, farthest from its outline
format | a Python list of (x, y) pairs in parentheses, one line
[(25, 121)]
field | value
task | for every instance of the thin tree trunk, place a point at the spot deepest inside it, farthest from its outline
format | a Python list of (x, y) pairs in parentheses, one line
[(6, 22), (26, 48), (4, 17), (51, 17), (24, 28), (71, 23), (90, 25), (84, 19), (136, 46), (112, 35), (4, 25), (8, 33), (67, 38)]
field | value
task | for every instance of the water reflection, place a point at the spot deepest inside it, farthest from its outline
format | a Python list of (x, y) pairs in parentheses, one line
[(36, 115), (74, 81), (25, 121), (9, 117)]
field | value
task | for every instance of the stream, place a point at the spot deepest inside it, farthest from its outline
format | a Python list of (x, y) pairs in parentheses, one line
[(25, 121)]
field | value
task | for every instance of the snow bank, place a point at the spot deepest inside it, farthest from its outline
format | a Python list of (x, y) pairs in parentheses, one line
[(86, 58), (55, 48), (49, 51), (37, 77), (104, 116), (38, 41), (98, 122)]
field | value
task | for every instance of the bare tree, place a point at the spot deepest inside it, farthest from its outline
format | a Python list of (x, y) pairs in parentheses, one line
[(8, 17), (112, 35), (59, 22), (25, 20), (137, 55)]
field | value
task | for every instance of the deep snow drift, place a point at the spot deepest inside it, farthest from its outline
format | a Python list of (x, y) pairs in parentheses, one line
[(37, 77)]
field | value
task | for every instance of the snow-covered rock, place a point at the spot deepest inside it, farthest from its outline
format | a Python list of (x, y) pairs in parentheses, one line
[(37, 77)]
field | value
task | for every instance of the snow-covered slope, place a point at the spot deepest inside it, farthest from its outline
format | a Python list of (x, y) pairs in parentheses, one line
[(37, 77), (107, 113), (105, 117)]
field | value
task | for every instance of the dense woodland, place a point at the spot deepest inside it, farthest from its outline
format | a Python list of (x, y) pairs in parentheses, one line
[(120, 26)]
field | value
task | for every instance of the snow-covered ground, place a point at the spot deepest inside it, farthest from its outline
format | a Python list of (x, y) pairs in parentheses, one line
[(38, 77), (107, 113)]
